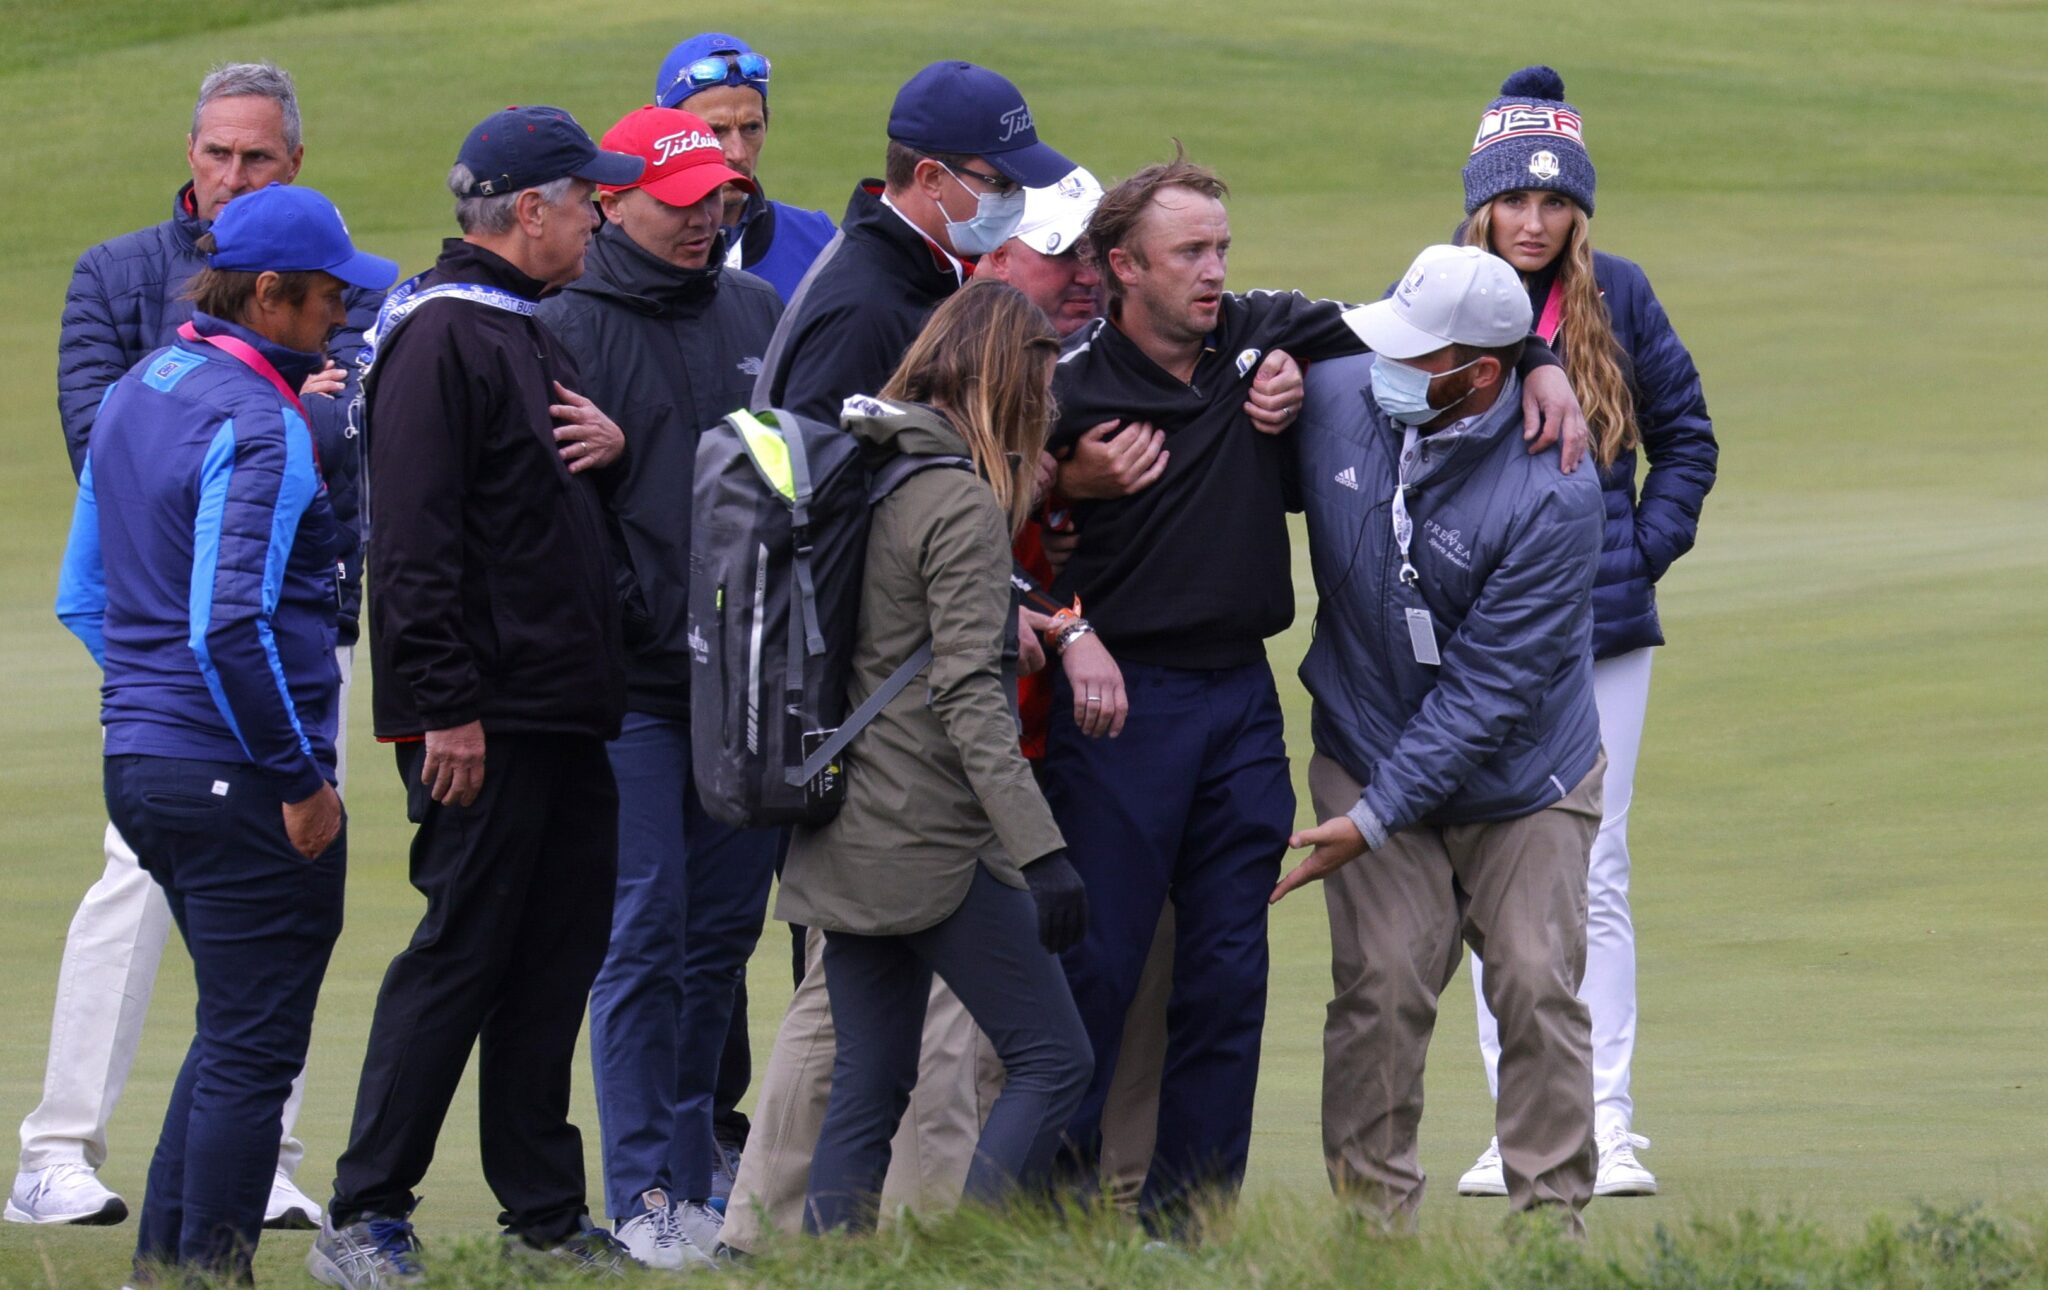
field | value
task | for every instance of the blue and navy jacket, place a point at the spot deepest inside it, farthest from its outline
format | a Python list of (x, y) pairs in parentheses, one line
[(1645, 531), (1505, 545), (201, 566), (779, 242), (127, 298)]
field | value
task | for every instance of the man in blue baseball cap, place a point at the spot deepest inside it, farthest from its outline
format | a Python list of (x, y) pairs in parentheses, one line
[(496, 648), (201, 573), (725, 81)]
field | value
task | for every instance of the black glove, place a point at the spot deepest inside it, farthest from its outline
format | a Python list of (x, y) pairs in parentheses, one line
[(1062, 901)]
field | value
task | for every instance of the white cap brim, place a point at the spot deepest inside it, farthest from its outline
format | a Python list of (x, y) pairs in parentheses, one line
[(1056, 215), (1386, 332)]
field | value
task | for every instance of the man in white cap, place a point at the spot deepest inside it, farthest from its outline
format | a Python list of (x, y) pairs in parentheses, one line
[(1454, 729)]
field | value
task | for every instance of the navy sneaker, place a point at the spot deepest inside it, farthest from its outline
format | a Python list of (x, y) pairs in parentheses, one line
[(590, 1251)]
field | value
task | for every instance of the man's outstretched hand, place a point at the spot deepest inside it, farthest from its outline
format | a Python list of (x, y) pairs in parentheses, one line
[(1337, 843)]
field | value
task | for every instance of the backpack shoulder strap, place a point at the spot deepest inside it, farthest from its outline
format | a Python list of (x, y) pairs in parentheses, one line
[(889, 476)]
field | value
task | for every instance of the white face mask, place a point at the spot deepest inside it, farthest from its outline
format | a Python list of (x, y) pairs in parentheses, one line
[(996, 217), (1403, 391)]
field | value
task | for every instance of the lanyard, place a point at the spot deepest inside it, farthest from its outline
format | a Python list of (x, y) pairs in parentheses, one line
[(1553, 315), (253, 359), (1404, 528), (407, 296)]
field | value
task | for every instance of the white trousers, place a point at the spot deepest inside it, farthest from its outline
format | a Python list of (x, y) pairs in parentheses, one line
[(111, 955), (1621, 689)]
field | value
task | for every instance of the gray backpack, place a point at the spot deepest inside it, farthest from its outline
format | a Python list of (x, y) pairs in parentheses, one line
[(778, 546)]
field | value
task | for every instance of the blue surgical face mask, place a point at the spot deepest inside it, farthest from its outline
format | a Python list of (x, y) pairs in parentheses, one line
[(1403, 391), (996, 217)]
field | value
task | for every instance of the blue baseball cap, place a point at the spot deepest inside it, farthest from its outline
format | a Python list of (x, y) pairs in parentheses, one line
[(525, 147), (957, 107), (281, 229), (702, 63)]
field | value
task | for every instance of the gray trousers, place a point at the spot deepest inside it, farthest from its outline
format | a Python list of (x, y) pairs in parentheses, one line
[(988, 952), (1515, 890)]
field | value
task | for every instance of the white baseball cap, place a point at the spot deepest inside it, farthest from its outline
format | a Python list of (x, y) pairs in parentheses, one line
[(1055, 216), (1451, 295)]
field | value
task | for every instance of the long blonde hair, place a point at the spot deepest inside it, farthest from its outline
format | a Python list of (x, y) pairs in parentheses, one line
[(1592, 358), (985, 359)]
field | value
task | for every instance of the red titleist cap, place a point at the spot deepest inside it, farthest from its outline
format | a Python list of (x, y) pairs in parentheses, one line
[(684, 158)]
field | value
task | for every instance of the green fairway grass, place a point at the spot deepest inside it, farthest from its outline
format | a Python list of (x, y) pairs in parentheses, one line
[(1839, 820)]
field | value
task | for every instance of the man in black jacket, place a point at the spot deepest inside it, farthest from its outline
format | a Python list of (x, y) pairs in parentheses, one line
[(962, 150), (665, 334), (494, 638)]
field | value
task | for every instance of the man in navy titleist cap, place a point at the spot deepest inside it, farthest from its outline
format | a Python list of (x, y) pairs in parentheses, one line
[(495, 643), (962, 150), (724, 80)]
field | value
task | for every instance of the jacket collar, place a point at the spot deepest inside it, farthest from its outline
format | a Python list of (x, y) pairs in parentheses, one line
[(293, 365), (463, 261), (618, 268), (913, 256), (1451, 453), (913, 429), (185, 217)]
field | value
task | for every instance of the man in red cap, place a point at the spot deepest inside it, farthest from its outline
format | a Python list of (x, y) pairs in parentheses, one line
[(666, 334)]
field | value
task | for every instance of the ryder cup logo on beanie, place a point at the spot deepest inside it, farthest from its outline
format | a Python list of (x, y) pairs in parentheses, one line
[(1529, 137)]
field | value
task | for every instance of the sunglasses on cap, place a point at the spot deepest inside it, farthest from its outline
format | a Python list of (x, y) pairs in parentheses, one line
[(724, 69)]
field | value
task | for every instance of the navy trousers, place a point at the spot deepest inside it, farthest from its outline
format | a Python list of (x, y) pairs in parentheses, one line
[(989, 953), (1193, 802), (691, 899), (260, 921)]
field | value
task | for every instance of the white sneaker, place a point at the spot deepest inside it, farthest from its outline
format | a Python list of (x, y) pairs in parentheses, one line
[(289, 1209), (66, 1193), (656, 1238), (1620, 1173), (700, 1224), (1485, 1177)]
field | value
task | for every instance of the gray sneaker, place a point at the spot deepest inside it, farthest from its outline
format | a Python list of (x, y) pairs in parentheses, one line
[(372, 1253), (589, 1252)]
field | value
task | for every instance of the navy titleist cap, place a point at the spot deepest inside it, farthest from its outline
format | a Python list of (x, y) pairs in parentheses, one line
[(525, 147), (958, 107), (293, 230)]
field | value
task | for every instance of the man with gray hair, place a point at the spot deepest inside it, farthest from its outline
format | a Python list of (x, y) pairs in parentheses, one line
[(500, 674), (126, 301)]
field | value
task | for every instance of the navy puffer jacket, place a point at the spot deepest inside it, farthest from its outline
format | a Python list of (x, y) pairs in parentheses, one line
[(1646, 530), (126, 301)]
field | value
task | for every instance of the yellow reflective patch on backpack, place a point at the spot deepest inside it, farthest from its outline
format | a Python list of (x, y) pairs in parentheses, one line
[(769, 451)]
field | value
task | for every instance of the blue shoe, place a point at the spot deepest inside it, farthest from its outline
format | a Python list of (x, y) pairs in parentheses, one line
[(372, 1253)]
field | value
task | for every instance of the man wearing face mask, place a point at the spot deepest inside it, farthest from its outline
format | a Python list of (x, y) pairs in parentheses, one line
[(962, 150), (1455, 731)]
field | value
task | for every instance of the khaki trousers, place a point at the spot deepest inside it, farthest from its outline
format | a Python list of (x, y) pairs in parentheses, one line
[(958, 1078), (1130, 1112), (1515, 890)]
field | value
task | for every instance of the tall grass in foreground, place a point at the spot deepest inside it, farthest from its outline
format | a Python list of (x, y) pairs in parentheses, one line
[(1279, 1245)]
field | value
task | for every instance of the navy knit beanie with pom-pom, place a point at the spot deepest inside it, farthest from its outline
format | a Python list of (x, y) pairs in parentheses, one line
[(1529, 138)]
